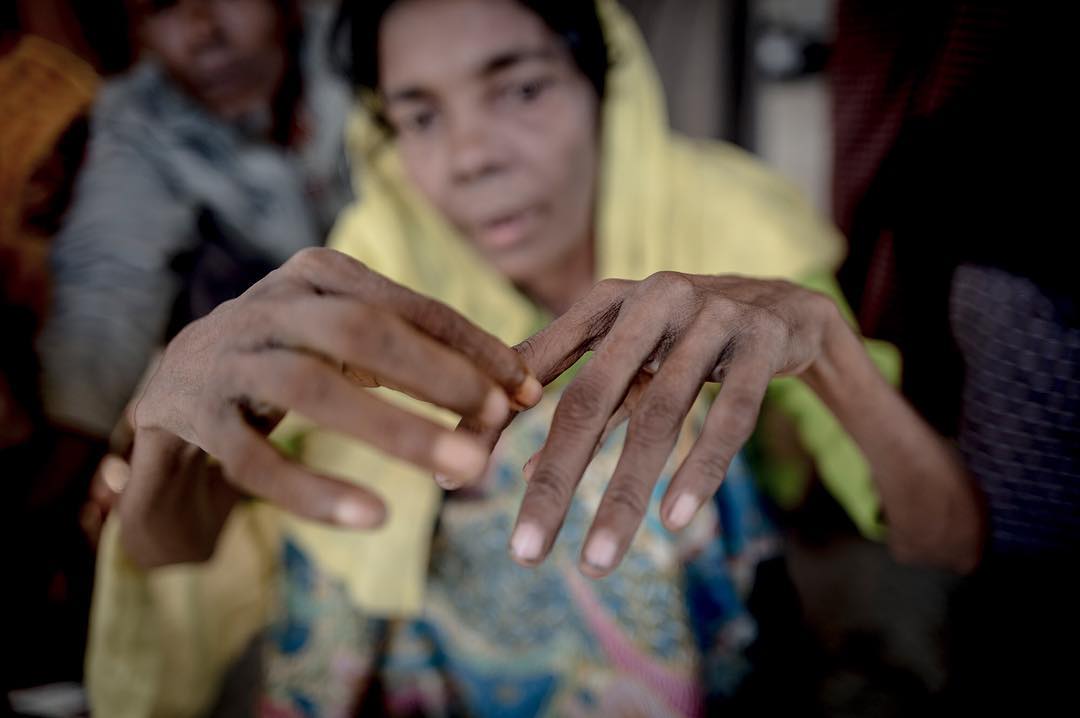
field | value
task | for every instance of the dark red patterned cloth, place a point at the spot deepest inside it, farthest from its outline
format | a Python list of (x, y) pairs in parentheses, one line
[(953, 150)]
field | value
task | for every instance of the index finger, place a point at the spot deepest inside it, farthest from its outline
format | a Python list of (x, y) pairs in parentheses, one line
[(330, 271), (559, 345)]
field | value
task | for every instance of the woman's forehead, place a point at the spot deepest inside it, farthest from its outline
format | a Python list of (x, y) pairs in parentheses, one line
[(426, 43)]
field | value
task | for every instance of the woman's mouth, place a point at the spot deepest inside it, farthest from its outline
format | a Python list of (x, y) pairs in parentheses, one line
[(507, 230)]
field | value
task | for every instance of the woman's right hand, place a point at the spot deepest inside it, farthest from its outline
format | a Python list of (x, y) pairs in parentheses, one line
[(310, 337)]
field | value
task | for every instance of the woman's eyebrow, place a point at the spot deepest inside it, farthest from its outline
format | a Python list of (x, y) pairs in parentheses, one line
[(494, 64)]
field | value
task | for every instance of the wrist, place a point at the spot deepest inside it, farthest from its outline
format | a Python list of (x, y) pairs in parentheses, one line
[(842, 373)]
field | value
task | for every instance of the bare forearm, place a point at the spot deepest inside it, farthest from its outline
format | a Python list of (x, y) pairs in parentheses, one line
[(931, 503)]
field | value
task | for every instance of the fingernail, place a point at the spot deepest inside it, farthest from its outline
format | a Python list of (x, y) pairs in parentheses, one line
[(600, 552), (445, 482), (496, 407), (528, 393), (527, 542), (684, 509), (356, 515), (115, 472), (530, 467), (457, 459)]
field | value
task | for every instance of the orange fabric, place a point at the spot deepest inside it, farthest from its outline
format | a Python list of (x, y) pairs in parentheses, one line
[(43, 89)]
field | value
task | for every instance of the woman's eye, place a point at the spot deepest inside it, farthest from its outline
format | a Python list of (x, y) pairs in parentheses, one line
[(528, 91), (418, 122)]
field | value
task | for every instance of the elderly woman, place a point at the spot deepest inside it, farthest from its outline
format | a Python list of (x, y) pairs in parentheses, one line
[(513, 153)]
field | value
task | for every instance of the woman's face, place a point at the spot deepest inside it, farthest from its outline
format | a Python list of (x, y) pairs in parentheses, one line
[(495, 124)]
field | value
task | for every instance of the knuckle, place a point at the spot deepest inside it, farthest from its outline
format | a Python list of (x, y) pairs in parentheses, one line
[(581, 405), (369, 333), (315, 264), (300, 381), (309, 259), (627, 499), (741, 413), (677, 285), (548, 491), (657, 421), (712, 466), (245, 466), (610, 288)]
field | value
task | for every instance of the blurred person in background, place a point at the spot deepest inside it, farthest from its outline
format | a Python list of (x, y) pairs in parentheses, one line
[(218, 156), (52, 54), (947, 116), (507, 167)]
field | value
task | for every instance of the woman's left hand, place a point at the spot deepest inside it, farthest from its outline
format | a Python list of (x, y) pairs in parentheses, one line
[(685, 331)]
